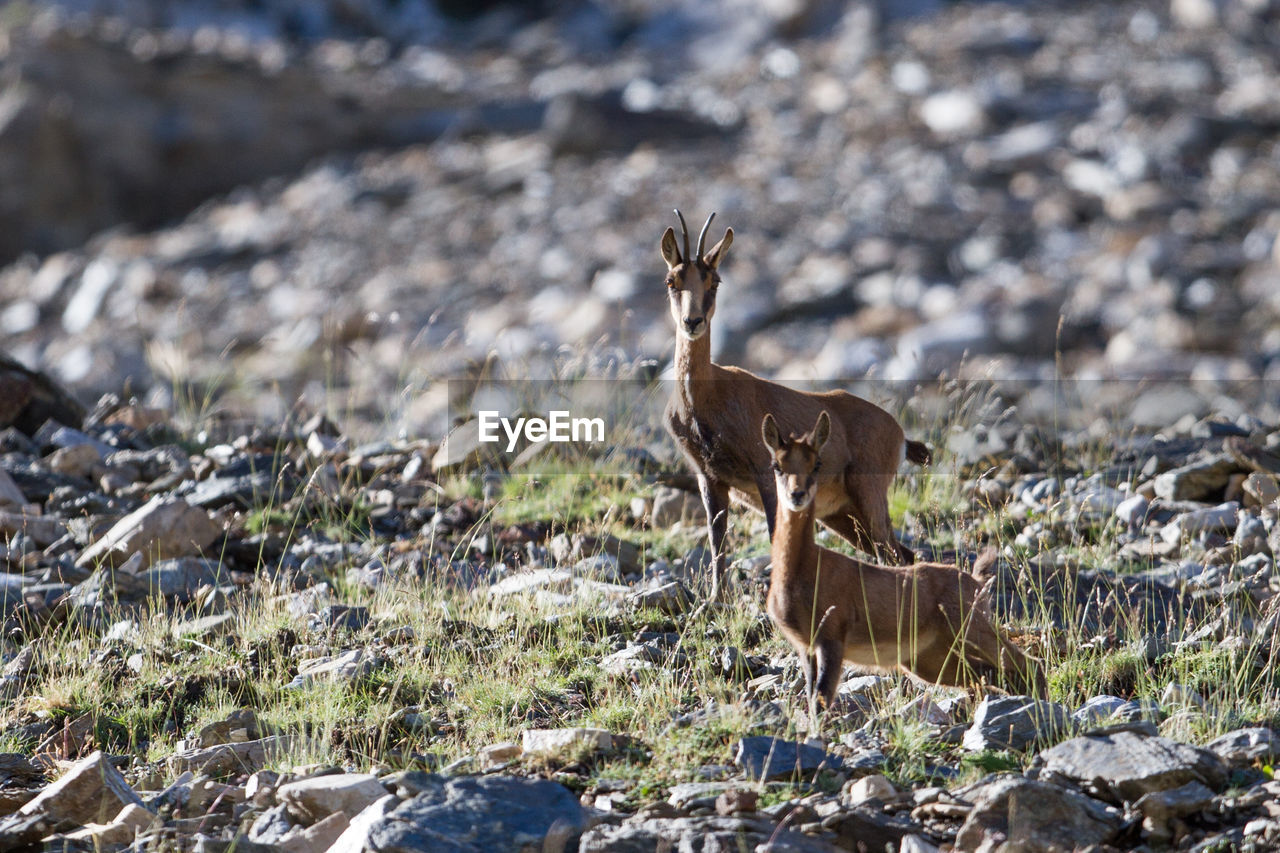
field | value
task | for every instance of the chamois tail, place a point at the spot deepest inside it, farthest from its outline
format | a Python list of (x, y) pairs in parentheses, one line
[(918, 453)]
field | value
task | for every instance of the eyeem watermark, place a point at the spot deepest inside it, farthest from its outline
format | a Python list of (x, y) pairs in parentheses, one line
[(558, 426)]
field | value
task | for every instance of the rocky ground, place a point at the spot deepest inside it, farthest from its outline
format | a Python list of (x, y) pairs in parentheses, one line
[(280, 639), (1077, 190)]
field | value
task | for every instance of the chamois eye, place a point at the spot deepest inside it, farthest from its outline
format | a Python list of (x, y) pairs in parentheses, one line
[(671, 281)]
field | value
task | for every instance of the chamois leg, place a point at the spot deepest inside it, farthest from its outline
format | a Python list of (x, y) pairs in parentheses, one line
[(846, 524), (843, 525), (870, 509), (810, 683), (768, 499), (829, 652), (715, 500)]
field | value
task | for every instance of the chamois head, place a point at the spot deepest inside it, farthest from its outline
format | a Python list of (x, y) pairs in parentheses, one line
[(795, 461), (692, 279)]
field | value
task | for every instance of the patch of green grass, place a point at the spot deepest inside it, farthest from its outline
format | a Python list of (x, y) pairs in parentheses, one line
[(910, 747), (975, 765), (571, 492), (267, 518), (778, 793), (930, 493)]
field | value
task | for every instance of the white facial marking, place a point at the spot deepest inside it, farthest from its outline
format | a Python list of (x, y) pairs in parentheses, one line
[(784, 490)]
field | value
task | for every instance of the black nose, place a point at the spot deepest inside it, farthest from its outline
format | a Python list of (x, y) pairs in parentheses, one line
[(692, 323), (797, 495)]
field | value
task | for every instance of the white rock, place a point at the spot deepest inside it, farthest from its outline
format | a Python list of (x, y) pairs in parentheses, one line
[(314, 799), (552, 741), (1102, 500), (91, 791), (1261, 488), (1179, 695), (874, 787), (163, 527), (260, 789), (98, 278), (78, 460), (841, 359), (499, 753), (628, 660), (603, 567), (538, 579), (671, 505), (135, 816), (1098, 710), (924, 708), (461, 449), (1248, 527), (355, 838), (913, 843), (1091, 178), (318, 837), (19, 317), (932, 347), (1023, 141), (323, 446), (1194, 14), (952, 113), (909, 77), (1133, 511), (1220, 517), (614, 284), (863, 684), (347, 666)]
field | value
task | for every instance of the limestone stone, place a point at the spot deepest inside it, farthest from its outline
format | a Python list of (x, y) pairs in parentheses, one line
[(163, 528)]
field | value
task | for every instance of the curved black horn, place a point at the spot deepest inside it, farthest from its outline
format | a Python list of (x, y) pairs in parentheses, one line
[(684, 229), (702, 238)]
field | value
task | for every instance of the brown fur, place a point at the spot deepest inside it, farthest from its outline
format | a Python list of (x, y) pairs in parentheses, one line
[(714, 416), (929, 619)]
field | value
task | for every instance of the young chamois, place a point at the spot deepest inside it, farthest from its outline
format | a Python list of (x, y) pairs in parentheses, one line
[(714, 416), (927, 619)]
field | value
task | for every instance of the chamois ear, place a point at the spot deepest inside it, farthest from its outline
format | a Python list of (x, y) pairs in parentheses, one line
[(769, 429), (670, 250), (716, 253), (822, 431)]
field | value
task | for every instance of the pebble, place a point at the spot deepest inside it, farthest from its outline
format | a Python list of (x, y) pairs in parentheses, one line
[(874, 787), (1132, 511), (1014, 722), (1261, 489), (553, 741)]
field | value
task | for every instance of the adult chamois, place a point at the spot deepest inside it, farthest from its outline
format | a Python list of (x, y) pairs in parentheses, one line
[(714, 416), (928, 619)]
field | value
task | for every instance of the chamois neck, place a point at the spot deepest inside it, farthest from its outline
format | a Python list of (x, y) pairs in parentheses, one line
[(793, 539), (693, 366)]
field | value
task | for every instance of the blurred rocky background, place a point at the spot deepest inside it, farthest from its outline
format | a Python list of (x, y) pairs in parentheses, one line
[(247, 203)]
